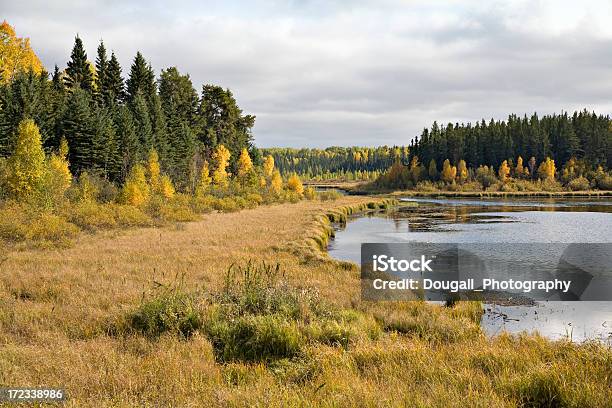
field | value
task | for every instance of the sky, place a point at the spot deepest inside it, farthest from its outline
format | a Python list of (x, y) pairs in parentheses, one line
[(318, 73)]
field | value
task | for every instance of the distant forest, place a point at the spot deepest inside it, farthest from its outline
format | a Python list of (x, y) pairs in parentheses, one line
[(582, 136), (353, 163), (111, 122)]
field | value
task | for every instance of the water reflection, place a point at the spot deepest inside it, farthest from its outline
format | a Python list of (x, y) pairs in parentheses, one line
[(491, 221)]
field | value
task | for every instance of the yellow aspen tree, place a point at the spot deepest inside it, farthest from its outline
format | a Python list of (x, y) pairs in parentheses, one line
[(503, 171), (519, 169), (462, 171), (154, 171), (268, 166), (56, 180), (26, 166), (295, 184), (245, 165), (204, 181), (276, 182), (547, 169), (136, 189), (166, 188), (16, 54), (221, 156), (448, 172)]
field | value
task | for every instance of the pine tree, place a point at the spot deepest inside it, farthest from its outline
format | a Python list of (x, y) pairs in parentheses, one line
[(113, 88), (78, 72), (142, 121), (433, 170), (79, 130), (102, 73), (128, 140), (141, 80)]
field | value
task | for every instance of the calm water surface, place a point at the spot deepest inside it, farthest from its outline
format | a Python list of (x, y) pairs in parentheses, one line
[(508, 220)]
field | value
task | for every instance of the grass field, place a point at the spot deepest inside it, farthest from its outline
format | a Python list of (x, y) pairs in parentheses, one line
[(67, 319)]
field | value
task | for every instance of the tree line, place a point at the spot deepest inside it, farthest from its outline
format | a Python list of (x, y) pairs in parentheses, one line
[(348, 163), (112, 123), (584, 136)]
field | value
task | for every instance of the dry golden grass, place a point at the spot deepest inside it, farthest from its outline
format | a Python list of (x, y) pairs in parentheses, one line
[(58, 308)]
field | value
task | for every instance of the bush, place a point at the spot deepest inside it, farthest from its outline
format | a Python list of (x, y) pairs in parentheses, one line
[(92, 216), (605, 182), (329, 195), (254, 338), (579, 184), (171, 310), (22, 222), (310, 193)]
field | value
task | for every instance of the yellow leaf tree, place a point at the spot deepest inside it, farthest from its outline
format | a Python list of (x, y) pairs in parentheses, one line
[(245, 165), (166, 188), (27, 164), (16, 55), (547, 169), (136, 189), (154, 171), (221, 157), (276, 182), (448, 172), (504, 171), (205, 180), (268, 166), (295, 184), (519, 169), (57, 177), (462, 171)]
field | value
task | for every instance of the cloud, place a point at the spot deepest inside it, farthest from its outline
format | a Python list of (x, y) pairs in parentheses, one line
[(362, 72)]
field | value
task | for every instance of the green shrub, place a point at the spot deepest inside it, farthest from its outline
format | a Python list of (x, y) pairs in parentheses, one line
[(171, 310), (254, 338)]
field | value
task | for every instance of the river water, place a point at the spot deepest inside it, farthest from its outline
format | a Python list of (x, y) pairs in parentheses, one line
[(498, 220)]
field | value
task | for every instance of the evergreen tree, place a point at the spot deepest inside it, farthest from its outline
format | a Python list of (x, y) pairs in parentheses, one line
[(79, 130), (101, 80), (78, 72), (141, 80), (113, 88)]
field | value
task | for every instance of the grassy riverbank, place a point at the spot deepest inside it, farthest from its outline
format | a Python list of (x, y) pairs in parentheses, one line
[(151, 317)]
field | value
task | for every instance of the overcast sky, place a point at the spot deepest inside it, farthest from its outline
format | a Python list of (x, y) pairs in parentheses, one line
[(331, 72)]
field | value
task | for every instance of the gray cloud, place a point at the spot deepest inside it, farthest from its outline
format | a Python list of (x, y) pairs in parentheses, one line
[(363, 72)]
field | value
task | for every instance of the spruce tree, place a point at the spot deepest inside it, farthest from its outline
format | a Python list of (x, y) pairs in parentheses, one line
[(114, 86), (141, 80), (127, 140), (78, 128), (102, 74), (78, 72)]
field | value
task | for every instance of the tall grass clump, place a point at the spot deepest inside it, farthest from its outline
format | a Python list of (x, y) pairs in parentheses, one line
[(258, 316), (169, 310)]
